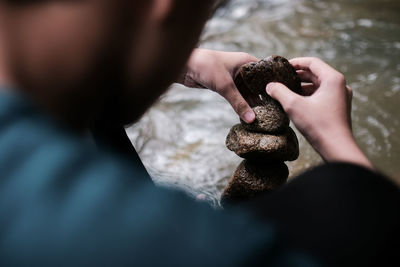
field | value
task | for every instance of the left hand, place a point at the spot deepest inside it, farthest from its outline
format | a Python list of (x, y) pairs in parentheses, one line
[(215, 70), (323, 112)]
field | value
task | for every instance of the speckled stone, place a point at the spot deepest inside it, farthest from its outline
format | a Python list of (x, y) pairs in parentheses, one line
[(270, 118), (260, 146), (252, 78), (268, 141), (252, 178)]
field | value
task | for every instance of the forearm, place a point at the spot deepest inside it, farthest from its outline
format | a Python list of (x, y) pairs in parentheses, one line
[(193, 67), (335, 147)]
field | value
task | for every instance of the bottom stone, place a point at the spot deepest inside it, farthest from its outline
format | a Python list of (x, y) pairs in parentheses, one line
[(252, 178)]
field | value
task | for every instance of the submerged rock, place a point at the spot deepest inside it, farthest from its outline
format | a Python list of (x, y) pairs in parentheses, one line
[(252, 78), (252, 178), (260, 146), (270, 118)]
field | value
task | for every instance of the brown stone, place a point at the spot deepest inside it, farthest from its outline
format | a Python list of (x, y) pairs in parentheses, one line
[(252, 78), (259, 146), (270, 118), (266, 142), (252, 178)]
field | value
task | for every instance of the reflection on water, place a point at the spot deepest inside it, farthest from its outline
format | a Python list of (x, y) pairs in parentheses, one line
[(181, 140)]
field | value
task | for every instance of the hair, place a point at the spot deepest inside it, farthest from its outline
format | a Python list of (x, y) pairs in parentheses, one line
[(27, 2)]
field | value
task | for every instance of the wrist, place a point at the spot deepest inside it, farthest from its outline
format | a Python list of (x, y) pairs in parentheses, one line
[(189, 75), (341, 146)]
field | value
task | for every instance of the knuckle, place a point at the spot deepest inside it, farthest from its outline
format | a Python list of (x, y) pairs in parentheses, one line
[(315, 60), (340, 77), (336, 78)]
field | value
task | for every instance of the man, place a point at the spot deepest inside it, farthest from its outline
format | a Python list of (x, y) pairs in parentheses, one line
[(67, 67)]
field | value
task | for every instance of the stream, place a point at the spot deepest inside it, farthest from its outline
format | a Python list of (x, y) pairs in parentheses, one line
[(181, 139)]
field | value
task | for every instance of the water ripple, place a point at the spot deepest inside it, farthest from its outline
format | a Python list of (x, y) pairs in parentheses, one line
[(182, 139)]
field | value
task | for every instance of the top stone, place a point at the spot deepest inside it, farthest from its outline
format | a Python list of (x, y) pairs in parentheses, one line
[(252, 79)]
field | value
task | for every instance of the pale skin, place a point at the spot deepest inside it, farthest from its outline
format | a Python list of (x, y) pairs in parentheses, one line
[(323, 114), (216, 70)]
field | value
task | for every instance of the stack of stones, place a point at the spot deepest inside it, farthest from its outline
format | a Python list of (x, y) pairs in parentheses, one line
[(268, 142)]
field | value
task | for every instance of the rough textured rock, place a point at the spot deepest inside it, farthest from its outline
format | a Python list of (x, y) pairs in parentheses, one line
[(268, 141), (252, 178), (252, 78), (260, 146), (270, 118)]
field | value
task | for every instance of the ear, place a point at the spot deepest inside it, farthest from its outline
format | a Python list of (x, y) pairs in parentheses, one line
[(161, 9)]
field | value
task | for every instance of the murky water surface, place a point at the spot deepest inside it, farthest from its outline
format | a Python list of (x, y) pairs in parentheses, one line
[(181, 140)]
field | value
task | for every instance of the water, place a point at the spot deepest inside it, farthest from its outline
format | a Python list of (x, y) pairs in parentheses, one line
[(181, 140)]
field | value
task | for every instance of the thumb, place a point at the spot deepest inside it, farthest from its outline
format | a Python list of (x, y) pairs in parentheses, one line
[(282, 94), (240, 105)]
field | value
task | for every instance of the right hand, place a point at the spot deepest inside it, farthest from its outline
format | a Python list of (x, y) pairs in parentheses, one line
[(216, 70), (322, 113)]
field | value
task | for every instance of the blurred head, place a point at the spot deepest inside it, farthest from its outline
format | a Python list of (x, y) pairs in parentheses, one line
[(82, 59)]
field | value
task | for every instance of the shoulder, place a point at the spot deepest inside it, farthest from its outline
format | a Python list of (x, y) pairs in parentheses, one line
[(32, 143)]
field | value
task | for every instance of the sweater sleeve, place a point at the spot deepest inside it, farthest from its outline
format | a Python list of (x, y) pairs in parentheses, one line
[(65, 203)]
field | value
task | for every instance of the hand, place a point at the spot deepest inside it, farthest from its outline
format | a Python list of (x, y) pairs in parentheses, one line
[(322, 113), (215, 70)]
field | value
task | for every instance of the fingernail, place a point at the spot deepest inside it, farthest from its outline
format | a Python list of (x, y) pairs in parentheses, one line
[(269, 87), (249, 116)]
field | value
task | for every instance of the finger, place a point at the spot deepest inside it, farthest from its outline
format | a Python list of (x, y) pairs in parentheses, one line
[(349, 92), (315, 65), (240, 60), (308, 89), (283, 95), (246, 58), (238, 103), (308, 77), (349, 103)]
